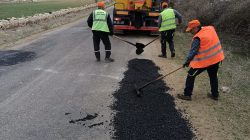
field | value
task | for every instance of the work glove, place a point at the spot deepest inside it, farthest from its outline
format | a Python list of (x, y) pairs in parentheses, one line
[(186, 64), (179, 23)]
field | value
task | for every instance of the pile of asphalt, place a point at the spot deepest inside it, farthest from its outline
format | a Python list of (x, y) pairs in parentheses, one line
[(152, 116)]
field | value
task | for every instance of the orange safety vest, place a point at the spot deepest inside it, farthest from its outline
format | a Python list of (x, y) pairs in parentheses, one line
[(210, 51)]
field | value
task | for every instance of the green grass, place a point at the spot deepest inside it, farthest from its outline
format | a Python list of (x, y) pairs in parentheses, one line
[(8, 10)]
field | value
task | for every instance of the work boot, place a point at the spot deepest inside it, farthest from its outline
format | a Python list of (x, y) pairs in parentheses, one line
[(109, 60), (183, 97), (212, 97), (162, 56), (172, 54)]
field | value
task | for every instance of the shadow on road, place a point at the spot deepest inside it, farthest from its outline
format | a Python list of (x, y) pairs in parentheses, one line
[(13, 57), (152, 116)]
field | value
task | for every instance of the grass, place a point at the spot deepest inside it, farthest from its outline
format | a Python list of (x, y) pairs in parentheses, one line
[(9, 36), (237, 64), (8, 10), (232, 110)]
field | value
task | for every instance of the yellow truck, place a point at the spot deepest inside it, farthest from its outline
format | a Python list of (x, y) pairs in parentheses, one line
[(137, 15)]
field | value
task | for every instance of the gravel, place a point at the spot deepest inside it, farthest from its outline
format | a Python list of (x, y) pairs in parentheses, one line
[(152, 116)]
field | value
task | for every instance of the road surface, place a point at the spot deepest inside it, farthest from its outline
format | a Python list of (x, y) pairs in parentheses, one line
[(51, 88)]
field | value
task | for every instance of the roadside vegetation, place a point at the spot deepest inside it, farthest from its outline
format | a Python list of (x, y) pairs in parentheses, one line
[(10, 36), (229, 16), (23, 9)]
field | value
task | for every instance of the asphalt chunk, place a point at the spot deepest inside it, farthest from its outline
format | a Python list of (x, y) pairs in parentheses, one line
[(97, 124), (152, 116), (88, 117), (67, 113)]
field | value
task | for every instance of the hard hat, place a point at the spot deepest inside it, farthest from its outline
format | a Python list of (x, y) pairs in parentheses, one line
[(101, 4), (192, 24)]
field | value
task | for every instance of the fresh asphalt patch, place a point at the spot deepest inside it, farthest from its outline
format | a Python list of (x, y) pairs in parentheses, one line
[(13, 57), (152, 116)]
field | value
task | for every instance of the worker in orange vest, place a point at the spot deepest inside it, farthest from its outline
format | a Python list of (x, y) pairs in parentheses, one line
[(205, 54)]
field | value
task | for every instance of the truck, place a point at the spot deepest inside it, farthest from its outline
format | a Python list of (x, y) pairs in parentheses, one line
[(137, 15)]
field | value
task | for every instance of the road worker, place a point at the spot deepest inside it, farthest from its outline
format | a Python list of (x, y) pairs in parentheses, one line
[(205, 54), (167, 26), (102, 26)]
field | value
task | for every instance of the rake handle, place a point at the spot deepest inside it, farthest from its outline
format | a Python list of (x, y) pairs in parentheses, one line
[(124, 40), (152, 41), (160, 77)]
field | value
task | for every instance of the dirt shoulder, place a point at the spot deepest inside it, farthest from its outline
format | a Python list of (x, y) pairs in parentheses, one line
[(216, 120)]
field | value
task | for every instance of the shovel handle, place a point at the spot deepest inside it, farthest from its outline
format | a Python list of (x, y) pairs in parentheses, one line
[(160, 77), (152, 41), (124, 40)]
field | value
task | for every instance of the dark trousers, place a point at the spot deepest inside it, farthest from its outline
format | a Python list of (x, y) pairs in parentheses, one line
[(97, 37), (167, 36), (212, 73)]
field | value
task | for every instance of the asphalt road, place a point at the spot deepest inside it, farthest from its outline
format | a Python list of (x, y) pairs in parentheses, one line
[(51, 88)]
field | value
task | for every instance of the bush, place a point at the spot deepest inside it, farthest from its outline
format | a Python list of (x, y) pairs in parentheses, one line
[(227, 15)]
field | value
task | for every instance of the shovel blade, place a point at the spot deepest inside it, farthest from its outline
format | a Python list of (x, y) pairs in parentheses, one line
[(139, 45), (139, 51), (139, 48)]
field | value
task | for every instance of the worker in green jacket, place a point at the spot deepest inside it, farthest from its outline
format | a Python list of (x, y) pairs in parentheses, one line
[(167, 25), (101, 24)]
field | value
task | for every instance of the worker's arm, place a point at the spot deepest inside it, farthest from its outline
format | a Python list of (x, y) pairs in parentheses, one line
[(90, 20), (178, 16), (193, 51), (159, 21), (110, 25)]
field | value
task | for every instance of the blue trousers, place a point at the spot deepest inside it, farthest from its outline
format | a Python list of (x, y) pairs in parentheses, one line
[(167, 36), (212, 73)]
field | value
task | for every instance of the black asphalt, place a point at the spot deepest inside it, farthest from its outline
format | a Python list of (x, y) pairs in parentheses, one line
[(13, 57), (152, 116)]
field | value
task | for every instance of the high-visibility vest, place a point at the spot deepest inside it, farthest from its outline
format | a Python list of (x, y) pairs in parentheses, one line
[(210, 51), (168, 20), (100, 20)]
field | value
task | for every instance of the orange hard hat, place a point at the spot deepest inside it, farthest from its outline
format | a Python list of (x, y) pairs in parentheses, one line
[(192, 24), (101, 4)]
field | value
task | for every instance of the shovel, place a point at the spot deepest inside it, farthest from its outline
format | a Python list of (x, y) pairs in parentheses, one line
[(139, 46), (138, 90)]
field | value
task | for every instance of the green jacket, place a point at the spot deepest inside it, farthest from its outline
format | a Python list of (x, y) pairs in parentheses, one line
[(168, 20), (100, 21)]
